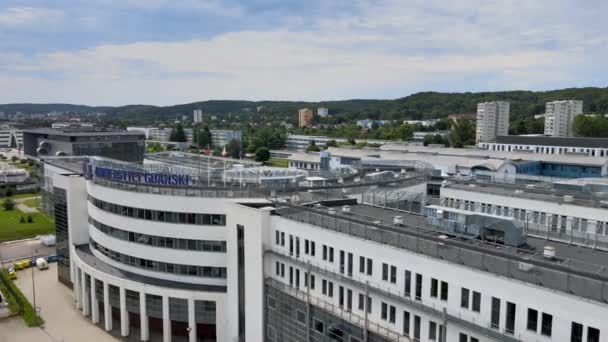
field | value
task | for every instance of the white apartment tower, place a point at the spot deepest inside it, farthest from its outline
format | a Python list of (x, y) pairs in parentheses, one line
[(323, 112), (198, 116), (492, 120), (559, 116)]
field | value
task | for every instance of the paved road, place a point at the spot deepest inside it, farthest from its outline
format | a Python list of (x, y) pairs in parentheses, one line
[(62, 321), (10, 251)]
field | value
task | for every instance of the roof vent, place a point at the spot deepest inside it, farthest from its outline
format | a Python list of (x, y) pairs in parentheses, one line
[(403, 171), (529, 186), (443, 237), (472, 185), (568, 199), (346, 208), (549, 252), (398, 220), (331, 211), (519, 191), (357, 179)]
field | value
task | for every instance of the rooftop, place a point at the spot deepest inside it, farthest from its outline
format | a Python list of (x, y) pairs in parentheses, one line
[(81, 131), (553, 141)]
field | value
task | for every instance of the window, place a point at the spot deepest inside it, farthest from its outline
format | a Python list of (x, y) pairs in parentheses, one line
[(306, 246), (418, 286), (510, 325), (341, 296), (319, 326), (331, 254), (546, 327), (463, 338), (341, 261), (384, 311), (416, 327), (408, 283), (290, 275), (444, 290), (361, 264), (393, 274), (576, 332), (282, 270), (474, 339), (434, 289), (282, 239), (593, 334), (278, 268), (330, 289), (290, 244), (324, 287), (301, 317), (312, 248), (406, 323), (324, 252), (370, 264), (369, 305), (384, 271), (432, 331), (476, 301), (297, 278), (277, 237), (361, 301), (495, 317), (349, 300), (464, 298), (392, 313)]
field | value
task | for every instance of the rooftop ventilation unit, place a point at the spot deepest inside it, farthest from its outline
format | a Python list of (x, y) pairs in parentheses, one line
[(331, 211), (346, 208), (549, 252), (519, 191), (568, 199), (398, 220)]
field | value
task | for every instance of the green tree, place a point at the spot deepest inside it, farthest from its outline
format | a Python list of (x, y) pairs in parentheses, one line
[(14, 158), (8, 204), (178, 134), (462, 134), (234, 149), (331, 143), (595, 126), (202, 136), (262, 154), (313, 147)]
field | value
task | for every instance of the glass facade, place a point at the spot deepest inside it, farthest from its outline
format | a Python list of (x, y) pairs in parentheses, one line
[(158, 215), (60, 209), (157, 266), (160, 241)]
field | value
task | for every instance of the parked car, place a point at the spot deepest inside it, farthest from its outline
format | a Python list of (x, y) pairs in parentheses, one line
[(22, 264)]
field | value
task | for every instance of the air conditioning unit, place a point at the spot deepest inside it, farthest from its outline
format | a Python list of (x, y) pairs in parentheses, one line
[(398, 220), (346, 208)]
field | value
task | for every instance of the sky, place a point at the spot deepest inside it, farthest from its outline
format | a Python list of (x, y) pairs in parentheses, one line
[(163, 52)]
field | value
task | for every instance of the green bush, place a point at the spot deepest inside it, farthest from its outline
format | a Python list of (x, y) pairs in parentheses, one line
[(30, 219), (28, 313), (8, 204)]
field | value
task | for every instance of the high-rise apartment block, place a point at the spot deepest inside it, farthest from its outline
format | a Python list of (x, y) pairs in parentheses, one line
[(198, 115), (323, 112), (492, 120), (559, 116), (305, 117)]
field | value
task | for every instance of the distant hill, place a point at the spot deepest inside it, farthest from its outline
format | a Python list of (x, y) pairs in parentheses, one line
[(423, 105)]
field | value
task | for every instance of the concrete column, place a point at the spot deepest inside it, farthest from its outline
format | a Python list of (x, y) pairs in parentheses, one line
[(124, 314), (107, 309), (191, 320), (85, 297), (166, 320), (94, 303), (143, 316), (78, 288)]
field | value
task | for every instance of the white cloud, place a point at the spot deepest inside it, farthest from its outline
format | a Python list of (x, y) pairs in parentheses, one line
[(388, 51), (30, 17)]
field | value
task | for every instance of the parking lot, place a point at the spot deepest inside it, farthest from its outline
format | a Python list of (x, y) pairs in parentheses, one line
[(62, 321), (11, 251)]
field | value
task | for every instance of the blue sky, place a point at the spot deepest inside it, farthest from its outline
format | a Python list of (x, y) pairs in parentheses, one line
[(107, 52)]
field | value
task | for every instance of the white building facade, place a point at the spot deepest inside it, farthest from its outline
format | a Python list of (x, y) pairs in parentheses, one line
[(492, 120), (197, 116), (559, 116)]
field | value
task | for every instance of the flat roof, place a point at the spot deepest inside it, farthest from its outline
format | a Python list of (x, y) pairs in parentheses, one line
[(85, 254), (80, 132), (552, 141)]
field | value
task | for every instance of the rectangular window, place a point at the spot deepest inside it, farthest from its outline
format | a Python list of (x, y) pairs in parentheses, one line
[(330, 289), (361, 301), (463, 338), (432, 331), (418, 286), (342, 261), (312, 248), (476, 305), (444, 290), (392, 313), (464, 298), (434, 289), (495, 317), (510, 324), (474, 339), (370, 264), (384, 311), (312, 282), (406, 323), (306, 247), (576, 332), (408, 283), (593, 334), (341, 296), (297, 278), (277, 238), (278, 268), (349, 300), (417, 327), (324, 252), (290, 244), (369, 305), (361, 264), (282, 239), (393, 274), (324, 287), (290, 275), (282, 270), (384, 271), (546, 327), (350, 264), (331, 254)]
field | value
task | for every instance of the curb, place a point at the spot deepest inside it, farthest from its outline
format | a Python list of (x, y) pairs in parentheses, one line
[(22, 240)]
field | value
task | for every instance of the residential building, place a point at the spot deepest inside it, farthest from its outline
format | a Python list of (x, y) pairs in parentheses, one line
[(10, 136), (423, 123), (121, 145), (198, 116), (170, 256), (492, 120), (419, 136), (593, 147), (305, 117), (323, 112), (369, 123), (559, 116), (223, 137)]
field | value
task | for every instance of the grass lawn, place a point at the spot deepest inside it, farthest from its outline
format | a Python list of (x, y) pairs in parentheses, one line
[(24, 195), (32, 202), (12, 229), (277, 162)]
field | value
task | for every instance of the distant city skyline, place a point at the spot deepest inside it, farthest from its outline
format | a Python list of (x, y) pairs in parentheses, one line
[(161, 52)]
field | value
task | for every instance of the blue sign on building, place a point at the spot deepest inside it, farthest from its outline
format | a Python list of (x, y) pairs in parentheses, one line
[(134, 177)]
